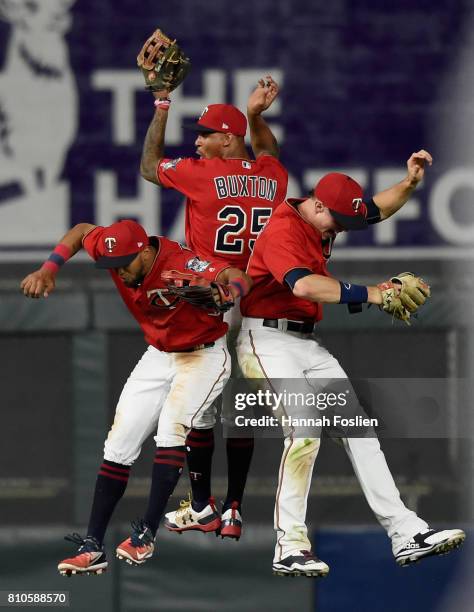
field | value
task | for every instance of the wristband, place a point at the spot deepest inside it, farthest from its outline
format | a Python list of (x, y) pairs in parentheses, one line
[(57, 258), (241, 285), (353, 294), (163, 103)]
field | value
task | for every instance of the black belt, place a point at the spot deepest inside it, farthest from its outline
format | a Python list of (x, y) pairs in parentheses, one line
[(293, 326), (198, 347)]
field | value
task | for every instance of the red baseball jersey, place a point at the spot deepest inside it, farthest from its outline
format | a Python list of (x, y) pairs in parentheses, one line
[(286, 243), (228, 201), (168, 324)]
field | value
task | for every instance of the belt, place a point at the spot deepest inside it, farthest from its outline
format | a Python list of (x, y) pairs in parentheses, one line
[(291, 326), (198, 347)]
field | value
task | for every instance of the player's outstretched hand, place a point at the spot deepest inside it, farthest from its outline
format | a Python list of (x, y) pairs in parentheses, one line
[(38, 284), (416, 165), (403, 295), (262, 96)]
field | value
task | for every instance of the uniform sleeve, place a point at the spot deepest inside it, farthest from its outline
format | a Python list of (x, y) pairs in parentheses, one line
[(271, 160), (209, 270), (285, 251), (91, 241), (216, 267), (279, 170), (373, 212), (182, 174)]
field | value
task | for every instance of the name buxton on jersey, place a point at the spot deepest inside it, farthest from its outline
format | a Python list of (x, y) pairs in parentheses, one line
[(241, 185)]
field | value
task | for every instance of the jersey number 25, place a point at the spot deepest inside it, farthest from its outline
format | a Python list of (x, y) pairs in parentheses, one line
[(227, 236)]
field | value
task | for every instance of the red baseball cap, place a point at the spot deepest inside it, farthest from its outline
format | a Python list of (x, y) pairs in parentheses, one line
[(121, 243), (343, 196), (221, 118)]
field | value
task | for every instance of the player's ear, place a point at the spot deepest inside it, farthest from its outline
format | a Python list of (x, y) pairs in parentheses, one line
[(318, 205), (227, 140), (147, 254)]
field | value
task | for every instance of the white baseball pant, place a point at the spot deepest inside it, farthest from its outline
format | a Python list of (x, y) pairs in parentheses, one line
[(168, 393), (269, 353)]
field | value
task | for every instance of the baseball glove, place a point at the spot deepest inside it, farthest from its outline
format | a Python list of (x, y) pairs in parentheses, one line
[(162, 62), (403, 295), (212, 296)]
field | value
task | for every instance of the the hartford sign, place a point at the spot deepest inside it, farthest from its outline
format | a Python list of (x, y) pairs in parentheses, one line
[(71, 135)]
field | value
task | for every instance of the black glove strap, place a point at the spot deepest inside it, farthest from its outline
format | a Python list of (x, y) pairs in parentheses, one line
[(354, 308)]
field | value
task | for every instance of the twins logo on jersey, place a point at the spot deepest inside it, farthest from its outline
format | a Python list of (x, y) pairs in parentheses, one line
[(197, 265), (161, 298)]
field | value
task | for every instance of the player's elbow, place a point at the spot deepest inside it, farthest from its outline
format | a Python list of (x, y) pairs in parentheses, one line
[(266, 148), (303, 288), (81, 229), (148, 171)]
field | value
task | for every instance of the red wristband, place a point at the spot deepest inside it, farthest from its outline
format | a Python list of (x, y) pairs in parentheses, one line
[(241, 285), (57, 258), (163, 103)]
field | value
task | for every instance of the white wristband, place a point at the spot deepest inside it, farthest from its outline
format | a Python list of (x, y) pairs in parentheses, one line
[(163, 103)]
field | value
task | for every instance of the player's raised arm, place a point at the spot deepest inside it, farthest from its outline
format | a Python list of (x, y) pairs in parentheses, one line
[(42, 282), (154, 145), (164, 66), (392, 199), (261, 137)]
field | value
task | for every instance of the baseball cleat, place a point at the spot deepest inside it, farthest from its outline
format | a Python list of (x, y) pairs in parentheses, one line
[(303, 564), (231, 522), (188, 519), (429, 542), (90, 558), (139, 547)]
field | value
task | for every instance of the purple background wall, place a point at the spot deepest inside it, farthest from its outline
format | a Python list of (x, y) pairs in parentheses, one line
[(364, 85)]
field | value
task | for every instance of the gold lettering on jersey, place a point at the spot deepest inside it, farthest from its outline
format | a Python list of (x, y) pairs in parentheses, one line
[(244, 186)]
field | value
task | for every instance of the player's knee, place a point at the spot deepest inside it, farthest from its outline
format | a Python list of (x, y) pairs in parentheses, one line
[(302, 447), (172, 435), (204, 420)]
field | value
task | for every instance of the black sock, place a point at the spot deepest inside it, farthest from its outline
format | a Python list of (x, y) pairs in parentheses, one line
[(110, 486), (200, 445), (239, 456), (167, 468)]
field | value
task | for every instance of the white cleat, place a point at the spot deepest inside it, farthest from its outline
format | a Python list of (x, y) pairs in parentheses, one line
[(188, 519), (302, 564), (429, 542)]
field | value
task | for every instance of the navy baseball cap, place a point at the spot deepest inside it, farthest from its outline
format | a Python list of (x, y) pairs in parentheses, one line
[(343, 196), (223, 118), (121, 243)]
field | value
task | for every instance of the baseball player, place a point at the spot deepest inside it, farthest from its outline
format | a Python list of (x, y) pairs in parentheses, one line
[(229, 197), (291, 282), (183, 369)]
